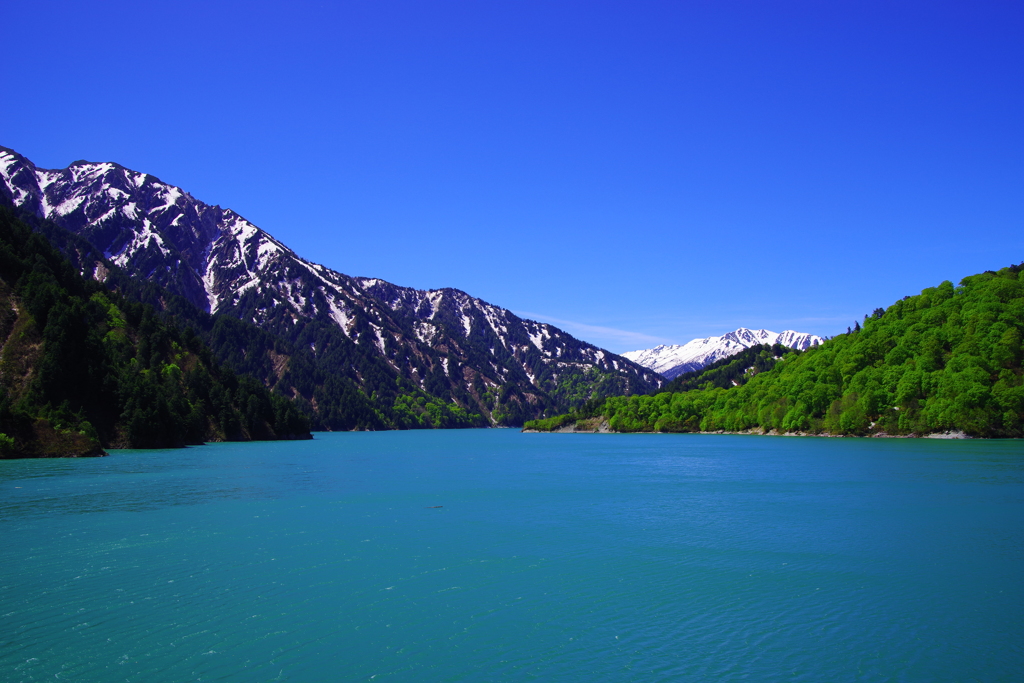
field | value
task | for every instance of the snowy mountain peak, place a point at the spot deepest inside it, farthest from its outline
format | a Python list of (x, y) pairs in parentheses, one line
[(444, 341), (673, 360)]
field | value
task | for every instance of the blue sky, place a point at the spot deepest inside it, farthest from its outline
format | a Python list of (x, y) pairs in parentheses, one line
[(636, 173)]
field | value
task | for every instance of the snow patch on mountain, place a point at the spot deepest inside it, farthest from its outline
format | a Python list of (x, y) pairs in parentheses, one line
[(215, 258), (675, 359)]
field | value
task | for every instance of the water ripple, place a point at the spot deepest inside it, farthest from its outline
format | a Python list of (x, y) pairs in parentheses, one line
[(687, 558)]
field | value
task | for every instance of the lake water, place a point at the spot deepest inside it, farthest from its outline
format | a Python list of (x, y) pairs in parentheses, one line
[(554, 557)]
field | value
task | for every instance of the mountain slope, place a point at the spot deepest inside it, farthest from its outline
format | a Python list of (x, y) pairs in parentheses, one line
[(81, 368), (730, 371), (370, 341), (949, 359), (676, 359)]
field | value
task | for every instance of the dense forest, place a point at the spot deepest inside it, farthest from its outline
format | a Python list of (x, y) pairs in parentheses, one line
[(730, 371), (330, 379), (334, 382), (724, 373), (83, 368), (947, 359), (350, 353), (340, 383)]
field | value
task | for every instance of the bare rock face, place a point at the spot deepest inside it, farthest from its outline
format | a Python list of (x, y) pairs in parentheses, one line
[(222, 263)]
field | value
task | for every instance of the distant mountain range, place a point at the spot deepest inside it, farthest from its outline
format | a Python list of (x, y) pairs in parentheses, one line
[(674, 360), (346, 339)]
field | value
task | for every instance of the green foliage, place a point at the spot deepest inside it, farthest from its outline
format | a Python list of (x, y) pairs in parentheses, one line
[(343, 382), (82, 367), (337, 383), (424, 412), (550, 424), (947, 359), (731, 371), (586, 415), (574, 389)]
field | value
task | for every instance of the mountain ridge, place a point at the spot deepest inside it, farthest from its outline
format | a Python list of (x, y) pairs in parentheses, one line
[(455, 346), (673, 360)]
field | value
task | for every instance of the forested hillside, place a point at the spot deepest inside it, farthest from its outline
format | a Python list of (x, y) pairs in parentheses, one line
[(351, 352), (947, 359), (320, 370), (731, 371), (83, 368), (335, 382), (328, 378)]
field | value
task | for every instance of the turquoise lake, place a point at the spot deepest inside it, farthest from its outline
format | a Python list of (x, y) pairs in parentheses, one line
[(554, 557)]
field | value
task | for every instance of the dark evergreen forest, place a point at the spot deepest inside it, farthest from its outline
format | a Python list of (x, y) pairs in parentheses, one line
[(729, 372), (84, 368), (337, 384), (341, 383)]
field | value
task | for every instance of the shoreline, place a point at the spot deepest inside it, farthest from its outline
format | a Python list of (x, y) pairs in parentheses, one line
[(602, 428)]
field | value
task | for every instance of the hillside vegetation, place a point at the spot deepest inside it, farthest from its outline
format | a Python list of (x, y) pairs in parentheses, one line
[(349, 352), (947, 359), (335, 383), (343, 384), (82, 368), (342, 381), (731, 371)]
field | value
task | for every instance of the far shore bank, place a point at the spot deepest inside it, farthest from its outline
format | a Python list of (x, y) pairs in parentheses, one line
[(603, 428)]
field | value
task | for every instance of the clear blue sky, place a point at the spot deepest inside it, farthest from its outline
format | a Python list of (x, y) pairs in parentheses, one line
[(636, 172)]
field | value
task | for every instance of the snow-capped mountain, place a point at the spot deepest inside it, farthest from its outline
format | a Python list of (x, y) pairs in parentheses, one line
[(224, 264), (673, 360)]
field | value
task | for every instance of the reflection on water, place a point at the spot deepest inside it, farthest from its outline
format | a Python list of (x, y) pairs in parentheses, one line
[(604, 557)]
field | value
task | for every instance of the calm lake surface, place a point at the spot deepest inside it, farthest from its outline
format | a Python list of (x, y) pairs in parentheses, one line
[(555, 557)]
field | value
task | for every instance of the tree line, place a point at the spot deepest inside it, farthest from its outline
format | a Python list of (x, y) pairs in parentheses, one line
[(946, 359)]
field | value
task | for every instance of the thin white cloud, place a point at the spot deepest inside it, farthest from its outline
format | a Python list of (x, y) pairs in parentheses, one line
[(597, 334)]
